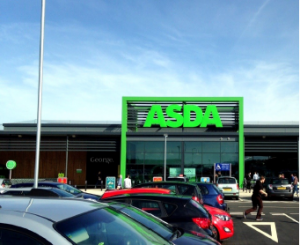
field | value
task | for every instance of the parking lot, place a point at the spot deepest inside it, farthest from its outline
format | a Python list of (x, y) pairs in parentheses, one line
[(280, 223)]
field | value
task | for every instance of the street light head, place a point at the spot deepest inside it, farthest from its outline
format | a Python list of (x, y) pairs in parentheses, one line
[(166, 135)]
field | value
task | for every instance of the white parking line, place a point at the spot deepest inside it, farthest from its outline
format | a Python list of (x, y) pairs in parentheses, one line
[(241, 213), (283, 214), (272, 225)]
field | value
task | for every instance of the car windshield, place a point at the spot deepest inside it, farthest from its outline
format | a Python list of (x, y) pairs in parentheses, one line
[(150, 221), (107, 226), (62, 193), (280, 182), (69, 189), (226, 181)]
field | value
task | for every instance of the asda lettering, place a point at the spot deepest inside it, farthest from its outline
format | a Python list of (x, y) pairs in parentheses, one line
[(182, 116)]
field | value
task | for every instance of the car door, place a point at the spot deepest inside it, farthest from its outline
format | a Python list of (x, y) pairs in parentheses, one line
[(151, 206)]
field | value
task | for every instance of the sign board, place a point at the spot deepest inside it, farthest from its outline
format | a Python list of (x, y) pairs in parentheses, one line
[(63, 180), (222, 166), (11, 164), (110, 183), (79, 171), (190, 172), (174, 172), (205, 179), (155, 179)]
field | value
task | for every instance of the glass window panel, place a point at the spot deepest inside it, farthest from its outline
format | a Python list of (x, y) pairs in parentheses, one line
[(229, 147), (211, 158), (211, 147), (134, 146), (154, 158), (154, 146), (137, 158), (193, 147), (192, 158), (230, 158), (174, 147)]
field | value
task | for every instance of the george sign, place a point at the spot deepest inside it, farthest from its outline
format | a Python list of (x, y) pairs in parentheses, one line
[(222, 166), (110, 183), (205, 179), (190, 172), (181, 116), (11, 164), (63, 180), (174, 172), (155, 179)]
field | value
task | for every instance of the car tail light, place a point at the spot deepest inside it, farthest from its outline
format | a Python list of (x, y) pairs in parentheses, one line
[(3, 185), (195, 198), (270, 187), (204, 223), (237, 186), (220, 199)]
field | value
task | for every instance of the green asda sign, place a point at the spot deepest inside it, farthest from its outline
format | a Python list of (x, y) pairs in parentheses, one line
[(182, 116)]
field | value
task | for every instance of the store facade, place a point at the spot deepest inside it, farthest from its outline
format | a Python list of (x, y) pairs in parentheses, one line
[(189, 134)]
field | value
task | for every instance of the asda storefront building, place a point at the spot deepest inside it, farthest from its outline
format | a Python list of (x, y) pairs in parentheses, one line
[(172, 136), (189, 134)]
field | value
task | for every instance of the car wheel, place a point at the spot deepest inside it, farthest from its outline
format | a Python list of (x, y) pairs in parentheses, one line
[(291, 198), (217, 236)]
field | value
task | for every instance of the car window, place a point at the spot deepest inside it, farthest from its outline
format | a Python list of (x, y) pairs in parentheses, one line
[(148, 206), (107, 226), (170, 208), (216, 189), (69, 189), (203, 189), (149, 220), (11, 235), (186, 190), (226, 181), (280, 182), (6, 182)]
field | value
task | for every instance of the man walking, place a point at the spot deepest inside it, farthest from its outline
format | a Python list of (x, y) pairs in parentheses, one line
[(295, 185), (119, 184), (248, 182), (256, 199), (255, 176), (127, 182)]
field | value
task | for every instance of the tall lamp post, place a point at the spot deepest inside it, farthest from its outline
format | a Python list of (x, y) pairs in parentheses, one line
[(165, 158)]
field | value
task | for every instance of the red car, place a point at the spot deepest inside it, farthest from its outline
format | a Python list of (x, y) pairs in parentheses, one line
[(222, 221), (112, 193)]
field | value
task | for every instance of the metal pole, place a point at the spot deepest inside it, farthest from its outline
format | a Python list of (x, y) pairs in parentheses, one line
[(67, 154), (38, 134), (165, 158)]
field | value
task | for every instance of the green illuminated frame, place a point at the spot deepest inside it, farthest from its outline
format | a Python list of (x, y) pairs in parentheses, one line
[(238, 100)]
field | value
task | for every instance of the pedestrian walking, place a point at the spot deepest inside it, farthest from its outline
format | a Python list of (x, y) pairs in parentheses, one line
[(292, 177), (119, 184), (257, 199), (255, 176), (99, 179), (249, 182), (127, 182), (295, 185)]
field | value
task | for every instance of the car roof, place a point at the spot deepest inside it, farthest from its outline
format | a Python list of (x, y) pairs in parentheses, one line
[(43, 207), (226, 177), (108, 194), (153, 196)]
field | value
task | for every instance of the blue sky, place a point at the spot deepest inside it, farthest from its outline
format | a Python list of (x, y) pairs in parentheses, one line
[(97, 51)]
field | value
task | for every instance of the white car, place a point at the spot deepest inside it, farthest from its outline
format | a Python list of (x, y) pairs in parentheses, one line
[(4, 183), (229, 186)]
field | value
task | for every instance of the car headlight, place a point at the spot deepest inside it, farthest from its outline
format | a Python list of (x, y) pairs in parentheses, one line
[(222, 217)]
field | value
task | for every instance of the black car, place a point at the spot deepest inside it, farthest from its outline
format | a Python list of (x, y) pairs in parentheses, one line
[(37, 192), (181, 211), (68, 188), (280, 187), (180, 188), (169, 232)]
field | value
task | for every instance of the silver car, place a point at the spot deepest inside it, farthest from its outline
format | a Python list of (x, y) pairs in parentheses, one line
[(36, 221), (229, 186)]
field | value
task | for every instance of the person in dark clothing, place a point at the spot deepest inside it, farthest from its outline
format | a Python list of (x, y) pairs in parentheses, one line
[(99, 178), (256, 199), (249, 182)]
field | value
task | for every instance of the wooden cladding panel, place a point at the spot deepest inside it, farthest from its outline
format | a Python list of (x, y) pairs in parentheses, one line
[(50, 165)]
